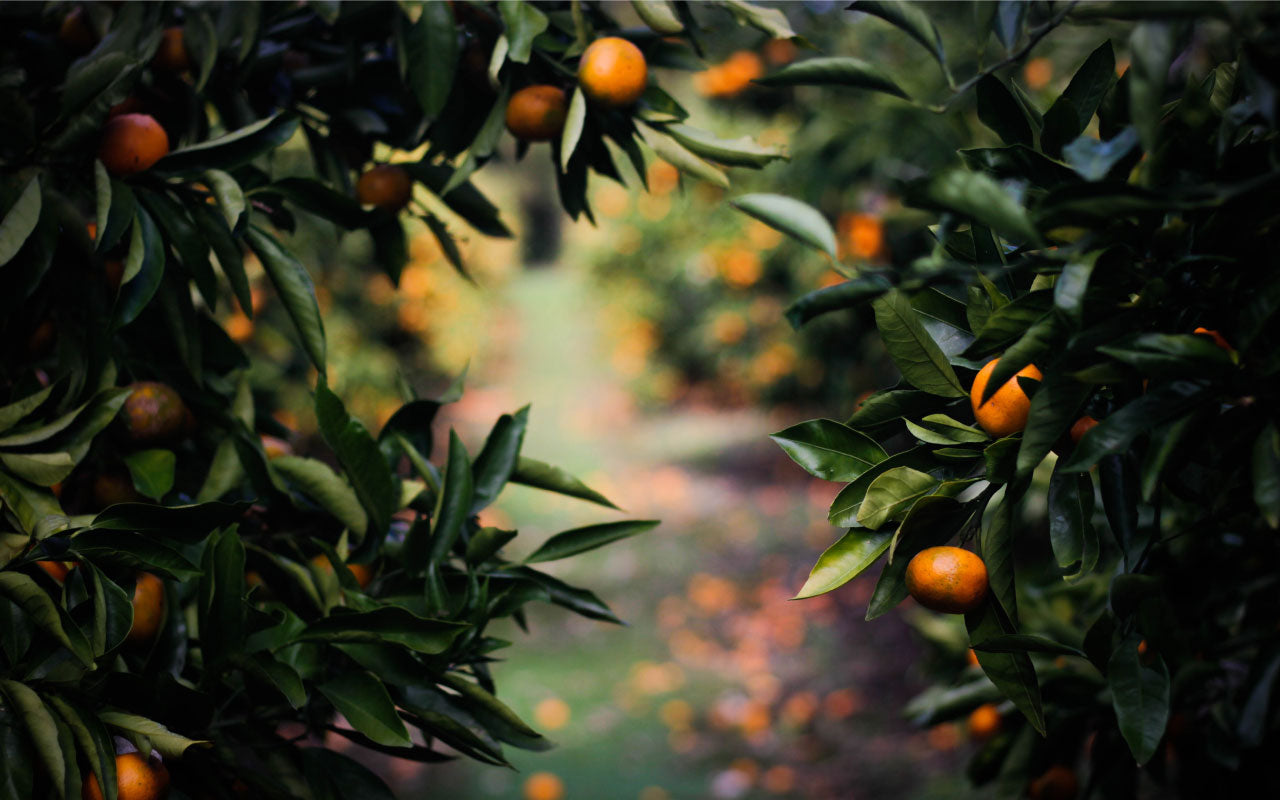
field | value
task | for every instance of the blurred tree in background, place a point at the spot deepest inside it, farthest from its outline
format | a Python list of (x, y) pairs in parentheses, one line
[(187, 599), (1085, 326)]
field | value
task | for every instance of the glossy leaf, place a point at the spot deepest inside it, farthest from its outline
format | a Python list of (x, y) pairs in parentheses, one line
[(575, 119), (385, 624), (740, 152), (1071, 530), (978, 197), (835, 71), (152, 471), (912, 349), (892, 494), (20, 221), (523, 22), (497, 460), (230, 150), (432, 56), (539, 475), (42, 728), (293, 285), (1140, 694), (580, 540), (1115, 433), (320, 483), (931, 522), (829, 450), (453, 506), (363, 700), (359, 456), (911, 18), (843, 561), (1012, 673)]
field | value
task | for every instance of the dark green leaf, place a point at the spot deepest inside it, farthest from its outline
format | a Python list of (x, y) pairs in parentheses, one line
[(296, 292), (523, 22), (848, 294), (835, 71), (19, 221), (1140, 694), (978, 197), (911, 18), (539, 475), (1071, 530), (1012, 673), (497, 460), (1025, 643), (386, 624), (320, 483), (933, 521), (580, 540), (1266, 474), (1001, 112), (364, 701), (829, 450), (914, 352), (1115, 433), (845, 560), (230, 150), (452, 508), (360, 458), (432, 56)]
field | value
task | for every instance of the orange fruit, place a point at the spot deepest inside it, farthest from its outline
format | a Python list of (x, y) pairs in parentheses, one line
[(1005, 412), (536, 113), (971, 658), (361, 572), (613, 72), (172, 54), (154, 413), (113, 273), (1081, 427), (137, 778), (385, 186), (948, 579), (131, 143), (274, 447), (1038, 73), (1057, 783), (148, 608), (543, 786), (114, 486), (984, 722), (75, 34), (1218, 338), (58, 570)]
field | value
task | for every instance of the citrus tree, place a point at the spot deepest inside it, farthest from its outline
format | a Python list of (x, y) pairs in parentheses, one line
[(183, 599), (1082, 455)]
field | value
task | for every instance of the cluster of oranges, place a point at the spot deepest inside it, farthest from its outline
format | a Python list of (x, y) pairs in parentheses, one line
[(612, 73), (732, 76)]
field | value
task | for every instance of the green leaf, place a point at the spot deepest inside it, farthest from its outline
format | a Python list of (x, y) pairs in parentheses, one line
[(386, 624), (1266, 474), (496, 717), (978, 197), (659, 15), (1162, 355), (152, 472), (45, 613), (296, 292), (844, 509), (327, 488), (1164, 442), (1012, 673), (230, 150), (92, 739), (835, 71), (1093, 159), (683, 159), (1025, 643), (170, 744), (911, 19), (1084, 94), (20, 221), (892, 405), (892, 494), (943, 430), (42, 469), (360, 458), (848, 294), (1007, 324), (996, 548), (845, 560), (1152, 47), (453, 506), (768, 20), (226, 190), (143, 270), (1000, 111), (1115, 433), (16, 773), (19, 409), (226, 248), (530, 472), (497, 460), (828, 450), (486, 543), (319, 199), (575, 118), (523, 22), (1071, 530), (580, 540), (912, 349), (179, 522), (740, 152), (42, 728), (580, 601), (278, 674), (1140, 695), (432, 55), (1118, 486)]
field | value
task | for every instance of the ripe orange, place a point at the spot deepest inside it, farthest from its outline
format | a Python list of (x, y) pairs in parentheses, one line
[(75, 34), (543, 786), (172, 55), (536, 113), (361, 572), (137, 778), (1057, 783), (58, 570), (1218, 338), (114, 486), (131, 143), (613, 72), (948, 579), (275, 447), (984, 722), (971, 658), (385, 186), (1081, 427), (148, 608), (1005, 412), (154, 413)]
